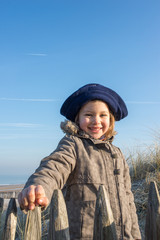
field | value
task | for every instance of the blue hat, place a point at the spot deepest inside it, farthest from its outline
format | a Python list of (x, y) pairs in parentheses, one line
[(90, 92)]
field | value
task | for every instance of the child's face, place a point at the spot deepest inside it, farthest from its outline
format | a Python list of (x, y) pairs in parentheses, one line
[(94, 118)]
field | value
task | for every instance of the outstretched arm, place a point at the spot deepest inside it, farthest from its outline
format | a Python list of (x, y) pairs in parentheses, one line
[(52, 174)]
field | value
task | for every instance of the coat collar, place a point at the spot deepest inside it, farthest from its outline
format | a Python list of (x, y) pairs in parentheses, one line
[(72, 128)]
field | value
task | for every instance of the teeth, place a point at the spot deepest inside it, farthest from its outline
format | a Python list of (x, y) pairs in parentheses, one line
[(95, 129)]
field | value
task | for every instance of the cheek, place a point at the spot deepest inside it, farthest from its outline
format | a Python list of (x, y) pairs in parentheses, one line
[(107, 123), (82, 123)]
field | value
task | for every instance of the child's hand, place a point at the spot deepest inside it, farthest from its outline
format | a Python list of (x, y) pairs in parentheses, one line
[(32, 196)]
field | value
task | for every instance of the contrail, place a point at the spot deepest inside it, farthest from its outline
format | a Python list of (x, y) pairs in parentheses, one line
[(37, 54), (30, 99), (23, 125), (55, 100), (139, 102)]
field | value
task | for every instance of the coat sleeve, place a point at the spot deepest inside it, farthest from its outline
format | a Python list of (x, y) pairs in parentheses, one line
[(54, 170), (127, 182)]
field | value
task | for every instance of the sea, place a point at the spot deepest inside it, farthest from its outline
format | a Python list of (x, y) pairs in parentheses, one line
[(13, 179)]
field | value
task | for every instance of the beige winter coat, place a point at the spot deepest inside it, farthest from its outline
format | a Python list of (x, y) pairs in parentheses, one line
[(82, 164)]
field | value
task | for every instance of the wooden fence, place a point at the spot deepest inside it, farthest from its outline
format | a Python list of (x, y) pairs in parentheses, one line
[(152, 228), (58, 227)]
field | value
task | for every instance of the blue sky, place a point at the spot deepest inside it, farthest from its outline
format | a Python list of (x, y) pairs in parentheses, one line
[(48, 49)]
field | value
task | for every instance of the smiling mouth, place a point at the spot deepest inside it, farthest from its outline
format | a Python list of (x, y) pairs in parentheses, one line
[(94, 129)]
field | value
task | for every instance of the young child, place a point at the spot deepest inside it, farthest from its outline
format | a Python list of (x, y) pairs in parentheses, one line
[(85, 159)]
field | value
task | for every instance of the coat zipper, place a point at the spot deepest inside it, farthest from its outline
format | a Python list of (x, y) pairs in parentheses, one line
[(116, 181), (116, 173)]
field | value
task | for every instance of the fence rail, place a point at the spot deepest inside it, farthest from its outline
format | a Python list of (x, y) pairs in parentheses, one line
[(104, 227)]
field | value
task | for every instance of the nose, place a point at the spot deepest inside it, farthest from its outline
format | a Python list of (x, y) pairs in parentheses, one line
[(96, 119)]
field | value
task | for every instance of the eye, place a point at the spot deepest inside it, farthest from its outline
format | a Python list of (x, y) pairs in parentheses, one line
[(104, 115), (88, 114)]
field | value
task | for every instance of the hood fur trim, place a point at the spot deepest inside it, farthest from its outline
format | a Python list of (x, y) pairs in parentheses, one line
[(72, 128), (69, 127)]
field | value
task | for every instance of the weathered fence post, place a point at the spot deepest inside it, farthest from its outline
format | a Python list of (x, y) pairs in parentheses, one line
[(1, 212), (152, 228), (33, 225), (58, 227), (104, 226), (1, 207), (10, 221)]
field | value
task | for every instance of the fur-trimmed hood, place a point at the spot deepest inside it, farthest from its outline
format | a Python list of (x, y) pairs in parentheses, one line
[(72, 128)]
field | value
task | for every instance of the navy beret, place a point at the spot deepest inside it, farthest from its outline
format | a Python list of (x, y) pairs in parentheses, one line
[(90, 92)]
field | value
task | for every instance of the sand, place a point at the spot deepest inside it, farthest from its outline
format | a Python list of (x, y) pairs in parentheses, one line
[(11, 188)]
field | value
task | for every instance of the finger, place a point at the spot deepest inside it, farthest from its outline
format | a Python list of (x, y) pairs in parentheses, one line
[(41, 198), (43, 202), (24, 200), (27, 198), (31, 206), (31, 197), (39, 192)]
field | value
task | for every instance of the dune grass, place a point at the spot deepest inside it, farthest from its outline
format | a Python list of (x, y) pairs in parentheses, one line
[(144, 168), (146, 164)]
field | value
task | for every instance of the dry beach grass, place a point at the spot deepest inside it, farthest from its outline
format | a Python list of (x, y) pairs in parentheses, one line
[(144, 169)]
